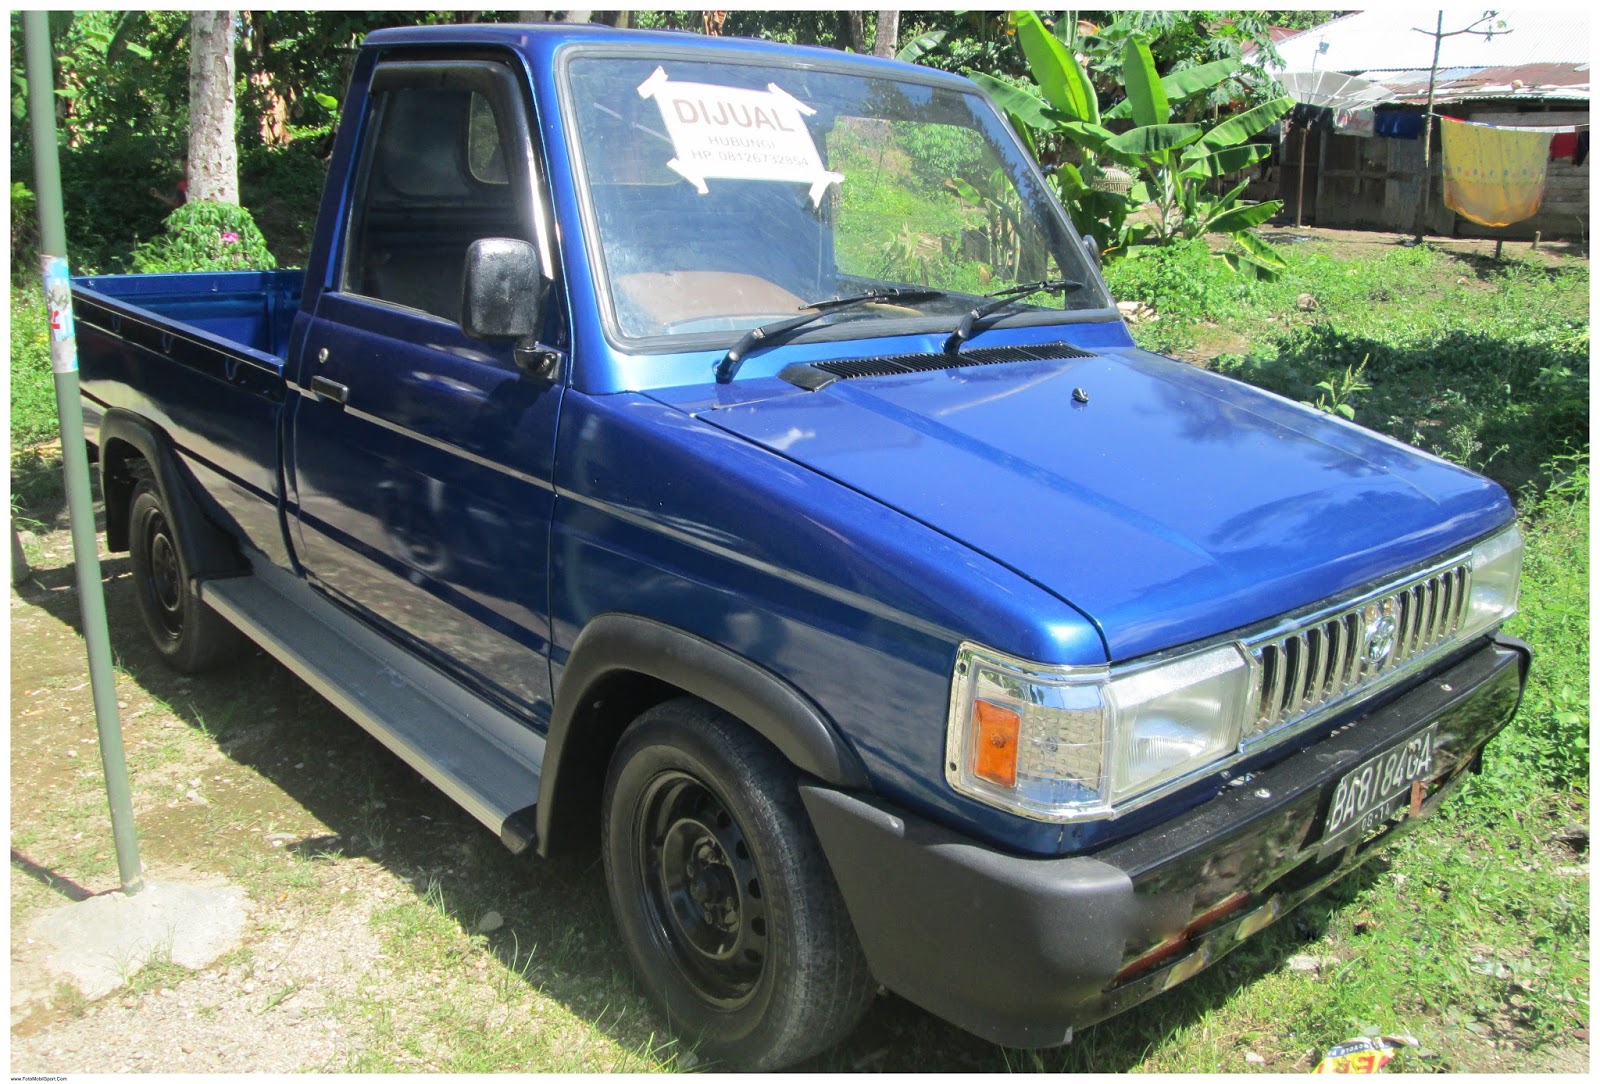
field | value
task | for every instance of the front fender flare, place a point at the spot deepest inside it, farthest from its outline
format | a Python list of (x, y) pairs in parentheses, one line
[(615, 644)]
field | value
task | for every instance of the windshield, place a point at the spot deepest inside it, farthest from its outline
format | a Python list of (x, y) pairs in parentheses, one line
[(728, 195)]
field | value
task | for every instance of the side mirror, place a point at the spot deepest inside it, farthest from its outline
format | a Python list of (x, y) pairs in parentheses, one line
[(1092, 247), (503, 296)]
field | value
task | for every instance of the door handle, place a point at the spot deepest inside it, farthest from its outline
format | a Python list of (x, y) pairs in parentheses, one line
[(323, 388)]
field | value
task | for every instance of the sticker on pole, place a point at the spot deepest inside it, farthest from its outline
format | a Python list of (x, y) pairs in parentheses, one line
[(732, 134), (58, 301)]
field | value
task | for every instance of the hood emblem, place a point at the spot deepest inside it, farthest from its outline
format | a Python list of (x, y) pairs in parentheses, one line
[(1380, 636)]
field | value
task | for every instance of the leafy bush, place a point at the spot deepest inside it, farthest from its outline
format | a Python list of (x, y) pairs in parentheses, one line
[(1182, 282), (282, 188), (106, 193), (24, 228), (33, 389), (206, 236)]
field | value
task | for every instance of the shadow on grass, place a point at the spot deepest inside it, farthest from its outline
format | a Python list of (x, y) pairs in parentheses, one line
[(1501, 407), (65, 886), (265, 719)]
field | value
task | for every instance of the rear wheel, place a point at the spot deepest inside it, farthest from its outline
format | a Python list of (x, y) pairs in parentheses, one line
[(723, 897), (190, 635)]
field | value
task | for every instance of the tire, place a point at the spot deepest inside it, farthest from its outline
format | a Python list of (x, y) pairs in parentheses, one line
[(725, 902), (191, 636)]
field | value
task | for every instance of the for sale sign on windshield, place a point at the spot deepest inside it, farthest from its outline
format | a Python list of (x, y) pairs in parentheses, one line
[(727, 132)]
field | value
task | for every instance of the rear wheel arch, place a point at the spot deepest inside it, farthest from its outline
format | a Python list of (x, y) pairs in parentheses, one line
[(621, 666), (126, 439)]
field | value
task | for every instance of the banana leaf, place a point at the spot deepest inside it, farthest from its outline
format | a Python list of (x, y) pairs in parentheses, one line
[(1156, 141), (1091, 136), (1149, 100), (1181, 86), (921, 45), (1069, 181), (1262, 251), (1199, 165), (1056, 70), (1242, 218), (1014, 100), (1238, 129)]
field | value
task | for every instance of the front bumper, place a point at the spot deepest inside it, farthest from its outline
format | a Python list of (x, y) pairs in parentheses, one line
[(1023, 950)]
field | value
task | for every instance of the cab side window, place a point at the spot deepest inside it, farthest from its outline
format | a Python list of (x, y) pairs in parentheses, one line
[(440, 168)]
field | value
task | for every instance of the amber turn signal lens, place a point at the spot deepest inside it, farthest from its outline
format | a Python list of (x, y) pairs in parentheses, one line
[(995, 743)]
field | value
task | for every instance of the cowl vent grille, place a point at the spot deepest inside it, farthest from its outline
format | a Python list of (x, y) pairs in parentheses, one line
[(816, 375)]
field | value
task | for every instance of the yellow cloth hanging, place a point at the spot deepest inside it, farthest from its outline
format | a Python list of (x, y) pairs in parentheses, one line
[(1494, 176)]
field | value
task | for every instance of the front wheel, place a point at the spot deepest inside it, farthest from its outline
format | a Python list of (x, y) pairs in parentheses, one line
[(725, 902)]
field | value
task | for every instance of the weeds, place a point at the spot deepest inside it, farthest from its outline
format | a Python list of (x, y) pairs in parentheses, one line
[(1336, 393)]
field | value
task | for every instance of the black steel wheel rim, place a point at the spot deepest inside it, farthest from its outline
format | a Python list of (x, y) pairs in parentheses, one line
[(163, 586), (701, 889)]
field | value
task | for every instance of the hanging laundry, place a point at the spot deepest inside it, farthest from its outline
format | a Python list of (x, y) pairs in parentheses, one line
[(1493, 176), (1563, 145), (1306, 116), (1354, 122), (1397, 125), (1583, 148)]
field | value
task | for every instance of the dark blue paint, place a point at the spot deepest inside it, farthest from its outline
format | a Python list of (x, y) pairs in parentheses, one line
[(847, 540), (424, 500)]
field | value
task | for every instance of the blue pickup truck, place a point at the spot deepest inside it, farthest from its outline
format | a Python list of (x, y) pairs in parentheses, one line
[(727, 455)]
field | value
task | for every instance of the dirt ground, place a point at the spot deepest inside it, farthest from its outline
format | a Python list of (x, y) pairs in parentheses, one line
[(1345, 244)]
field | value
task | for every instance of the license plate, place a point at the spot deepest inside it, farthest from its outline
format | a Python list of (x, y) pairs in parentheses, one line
[(1368, 796)]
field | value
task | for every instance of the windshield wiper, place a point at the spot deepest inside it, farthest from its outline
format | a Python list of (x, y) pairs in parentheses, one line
[(775, 332), (1002, 299)]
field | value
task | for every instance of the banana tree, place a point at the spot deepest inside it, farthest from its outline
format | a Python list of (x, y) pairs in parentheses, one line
[(1173, 161)]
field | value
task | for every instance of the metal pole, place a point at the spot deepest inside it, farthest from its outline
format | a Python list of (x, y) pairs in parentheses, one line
[(74, 457), (1427, 136), (1300, 186)]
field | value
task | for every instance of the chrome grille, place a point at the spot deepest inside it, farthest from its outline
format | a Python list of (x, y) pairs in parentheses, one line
[(1331, 658)]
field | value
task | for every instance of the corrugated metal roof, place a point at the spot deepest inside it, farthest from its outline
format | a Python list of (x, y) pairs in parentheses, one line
[(1386, 40), (1564, 82)]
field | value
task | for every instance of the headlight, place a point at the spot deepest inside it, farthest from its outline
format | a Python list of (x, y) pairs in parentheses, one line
[(1074, 743), (1496, 574)]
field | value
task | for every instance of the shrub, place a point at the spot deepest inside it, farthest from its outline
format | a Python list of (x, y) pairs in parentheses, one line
[(282, 188), (106, 193), (206, 236), (24, 229), (1186, 286), (33, 389)]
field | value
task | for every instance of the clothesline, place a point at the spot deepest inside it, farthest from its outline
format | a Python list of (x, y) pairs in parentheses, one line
[(1554, 129)]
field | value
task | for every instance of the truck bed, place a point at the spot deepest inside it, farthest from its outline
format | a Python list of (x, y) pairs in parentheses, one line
[(252, 310), (202, 356)]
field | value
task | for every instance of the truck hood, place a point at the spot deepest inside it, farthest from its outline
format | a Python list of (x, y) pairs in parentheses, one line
[(1165, 503)]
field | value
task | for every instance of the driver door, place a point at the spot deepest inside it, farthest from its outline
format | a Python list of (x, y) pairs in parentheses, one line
[(421, 459)]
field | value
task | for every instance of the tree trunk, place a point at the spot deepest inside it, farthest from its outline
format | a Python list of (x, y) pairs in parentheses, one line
[(852, 31), (213, 172), (887, 42)]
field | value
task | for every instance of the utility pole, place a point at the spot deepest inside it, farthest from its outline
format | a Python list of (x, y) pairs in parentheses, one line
[(1438, 35), (74, 457)]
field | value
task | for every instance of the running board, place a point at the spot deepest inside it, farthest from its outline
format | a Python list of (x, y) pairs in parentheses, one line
[(485, 759)]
